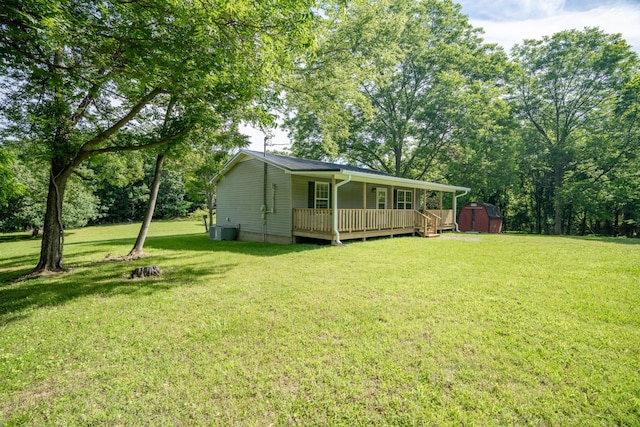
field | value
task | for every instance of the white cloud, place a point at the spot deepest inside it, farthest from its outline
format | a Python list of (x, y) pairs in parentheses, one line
[(622, 19), (506, 10)]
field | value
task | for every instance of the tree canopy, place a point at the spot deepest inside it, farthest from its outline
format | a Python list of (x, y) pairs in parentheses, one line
[(409, 87), (418, 73), (566, 93), (83, 78)]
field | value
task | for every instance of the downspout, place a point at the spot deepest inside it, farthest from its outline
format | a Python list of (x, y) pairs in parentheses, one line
[(335, 209), (455, 208), (264, 209)]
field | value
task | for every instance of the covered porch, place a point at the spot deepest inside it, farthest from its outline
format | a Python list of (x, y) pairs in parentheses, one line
[(374, 205), (364, 223)]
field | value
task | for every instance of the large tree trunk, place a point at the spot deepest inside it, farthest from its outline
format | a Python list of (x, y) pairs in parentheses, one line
[(558, 175), (151, 207), (210, 205), (583, 225), (53, 233)]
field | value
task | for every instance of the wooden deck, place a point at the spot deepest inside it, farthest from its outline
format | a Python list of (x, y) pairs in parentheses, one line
[(363, 223)]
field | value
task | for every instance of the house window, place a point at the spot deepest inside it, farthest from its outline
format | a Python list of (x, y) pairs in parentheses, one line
[(322, 194), (381, 198), (405, 199)]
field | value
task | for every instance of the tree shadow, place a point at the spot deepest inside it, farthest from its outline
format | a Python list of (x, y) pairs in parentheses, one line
[(19, 260), (202, 242), (617, 240), (20, 294), (107, 280), (199, 242), (15, 237)]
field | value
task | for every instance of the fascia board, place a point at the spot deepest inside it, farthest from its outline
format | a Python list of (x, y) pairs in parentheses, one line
[(242, 156), (381, 179)]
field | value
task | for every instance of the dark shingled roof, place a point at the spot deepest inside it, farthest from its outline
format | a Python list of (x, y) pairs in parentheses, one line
[(492, 210), (305, 165)]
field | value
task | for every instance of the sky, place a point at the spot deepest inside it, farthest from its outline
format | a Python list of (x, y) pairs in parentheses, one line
[(509, 22)]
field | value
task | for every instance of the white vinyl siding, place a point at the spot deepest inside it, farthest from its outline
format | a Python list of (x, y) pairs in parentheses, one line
[(240, 198)]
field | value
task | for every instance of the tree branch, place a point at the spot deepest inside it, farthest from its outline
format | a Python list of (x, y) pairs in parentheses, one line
[(156, 143), (82, 107), (103, 136)]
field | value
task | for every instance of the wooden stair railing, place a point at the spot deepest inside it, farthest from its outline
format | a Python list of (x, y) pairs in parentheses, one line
[(426, 224)]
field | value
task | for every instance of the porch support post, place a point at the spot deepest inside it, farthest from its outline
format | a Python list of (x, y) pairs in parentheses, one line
[(413, 198), (392, 217), (336, 232), (364, 195), (454, 208), (441, 219), (335, 235)]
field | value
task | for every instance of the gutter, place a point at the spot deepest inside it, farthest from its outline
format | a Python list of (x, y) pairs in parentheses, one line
[(455, 208), (335, 209)]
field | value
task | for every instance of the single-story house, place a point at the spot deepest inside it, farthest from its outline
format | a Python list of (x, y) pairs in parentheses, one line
[(279, 199)]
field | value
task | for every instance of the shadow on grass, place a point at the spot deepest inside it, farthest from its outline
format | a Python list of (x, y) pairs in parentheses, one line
[(201, 242), (15, 237), (18, 261), (618, 240), (104, 279), (623, 240)]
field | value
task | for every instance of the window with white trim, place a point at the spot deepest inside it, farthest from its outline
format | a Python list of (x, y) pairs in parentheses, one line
[(404, 199), (321, 199)]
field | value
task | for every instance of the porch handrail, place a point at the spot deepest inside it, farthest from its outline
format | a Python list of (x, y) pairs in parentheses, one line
[(433, 217), (447, 219), (352, 220), (427, 221)]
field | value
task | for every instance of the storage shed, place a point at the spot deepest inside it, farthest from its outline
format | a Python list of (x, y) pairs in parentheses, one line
[(480, 217)]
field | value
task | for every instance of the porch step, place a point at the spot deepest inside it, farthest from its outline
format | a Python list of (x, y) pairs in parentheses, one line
[(429, 233)]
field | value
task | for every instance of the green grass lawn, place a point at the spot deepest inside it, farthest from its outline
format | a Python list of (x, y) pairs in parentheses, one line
[(460, 330)]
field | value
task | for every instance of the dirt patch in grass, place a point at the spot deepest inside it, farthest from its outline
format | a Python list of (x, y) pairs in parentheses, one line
[(461, 237)]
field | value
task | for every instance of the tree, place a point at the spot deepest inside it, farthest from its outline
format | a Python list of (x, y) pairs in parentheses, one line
[(422, 72), (223, 140), (120, 185), (565, 92), (83, 78), (25, 210), (9, 185)]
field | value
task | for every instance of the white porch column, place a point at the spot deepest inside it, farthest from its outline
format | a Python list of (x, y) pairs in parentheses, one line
[(336, 232)]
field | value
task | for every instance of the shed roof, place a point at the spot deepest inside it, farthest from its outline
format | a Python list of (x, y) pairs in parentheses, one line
[(492, 210), (318, 169)]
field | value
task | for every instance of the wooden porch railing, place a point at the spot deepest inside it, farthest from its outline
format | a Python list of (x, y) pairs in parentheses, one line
[(426, 223), (352, 220), (445, 216)]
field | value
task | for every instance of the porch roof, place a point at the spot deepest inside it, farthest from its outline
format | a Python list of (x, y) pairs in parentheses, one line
[(324, 170)]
